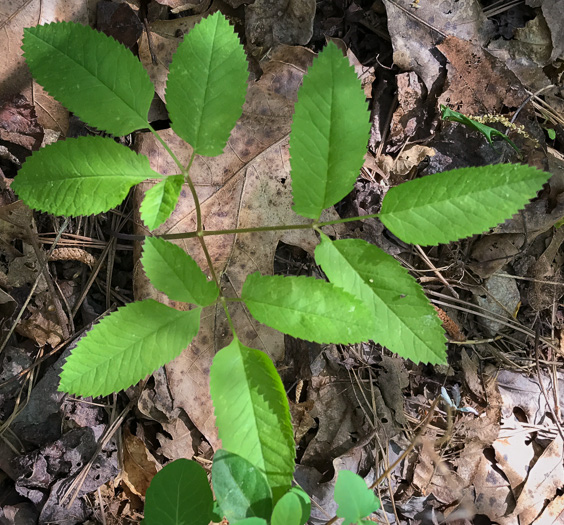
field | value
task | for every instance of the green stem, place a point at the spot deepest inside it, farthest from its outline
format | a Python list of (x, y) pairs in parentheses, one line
[(312, 225), (229, 320), (167, 148), (188, 180)]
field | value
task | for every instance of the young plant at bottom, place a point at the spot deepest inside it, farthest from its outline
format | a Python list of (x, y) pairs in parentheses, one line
[(368, 295)]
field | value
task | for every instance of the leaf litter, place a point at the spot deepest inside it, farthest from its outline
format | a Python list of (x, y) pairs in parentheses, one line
[(359, 406)]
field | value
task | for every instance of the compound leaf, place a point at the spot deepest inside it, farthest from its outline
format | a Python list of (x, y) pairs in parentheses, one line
[(329, 133), (82, 176), (172, 271), (126, 346), (160, 200), (245, 387), (354, 498), (307, 308), (448, 206), (179, 495), (207, 84), (240, 488), (91, 74), (403, 320)]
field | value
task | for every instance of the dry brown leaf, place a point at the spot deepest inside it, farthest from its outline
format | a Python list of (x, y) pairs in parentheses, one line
[(527, 52), (414, 40), (409, 117), (247, 186), (269, 23), (301, 418), (478, 83), (139, 465), (177, 6), (544, 479), (14, 74)]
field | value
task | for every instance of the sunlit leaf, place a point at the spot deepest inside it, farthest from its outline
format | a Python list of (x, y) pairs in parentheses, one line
[(82, 176), (448, 206), (160, 200), (207, 84), (307, 308), (172, 271), (127, 346), (329, 133), (354, 498), (402, 318), (245, 387), (91, 74)]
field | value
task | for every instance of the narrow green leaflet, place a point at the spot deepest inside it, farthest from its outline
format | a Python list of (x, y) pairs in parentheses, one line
[(241, 488), (91, 74), (251, 521), (354, 498), (329, 134), (82, 176), (487, 131), (307, 308), (292, 509), (207, 84), (179, 495), (448, 206), (160, 200), (172, 271), (126, 346), (402, 320), (245, 386)]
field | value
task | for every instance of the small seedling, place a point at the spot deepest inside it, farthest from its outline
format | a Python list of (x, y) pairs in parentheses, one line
[(454, 403), (368, 295)]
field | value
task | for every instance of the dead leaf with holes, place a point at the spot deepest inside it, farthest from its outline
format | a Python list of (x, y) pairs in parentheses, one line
[(478, 83), (247, 186), (414, 32)]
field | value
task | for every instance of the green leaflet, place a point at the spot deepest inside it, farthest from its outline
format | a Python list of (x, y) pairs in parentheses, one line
[(160, 200), (82, 176), (126, 346), (179, 495), (172, 271), (91, 74), (240, 488), (487, 131), (292, 509), (207, 84), (245, 387), (402, 320), (354, 498), (307, 308), (329, 134), (448, 206)]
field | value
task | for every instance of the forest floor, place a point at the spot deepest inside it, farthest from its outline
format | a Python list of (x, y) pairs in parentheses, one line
[(493, 452)]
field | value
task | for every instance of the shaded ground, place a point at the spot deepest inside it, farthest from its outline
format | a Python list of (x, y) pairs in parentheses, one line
[(494, 455)]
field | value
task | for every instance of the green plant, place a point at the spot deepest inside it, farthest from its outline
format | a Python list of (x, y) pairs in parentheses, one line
[(368, 295), (479, 124)]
